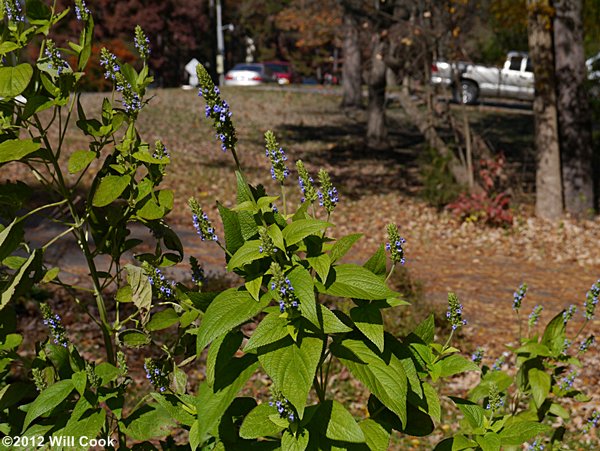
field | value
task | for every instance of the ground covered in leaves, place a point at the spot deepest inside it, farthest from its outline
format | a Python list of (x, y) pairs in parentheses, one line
[(483, 265)]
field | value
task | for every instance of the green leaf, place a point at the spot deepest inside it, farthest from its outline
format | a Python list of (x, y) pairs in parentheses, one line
[(147, 422), (249, 252), (50, 275), (109, 189), (163, 319), (17, 279), (339, 424), (253, 286), (376, 436), (369, 321), (14, 80), (272, 328), (352, 281), (171, 405), (331, 323), (231, 224), (473, 412), (16, 149), (426, 330), (212, 405), (455, 364), (554, 334), (228, 310), (257, 423), (275, 234), (107, 372), (540, 383), (7, 47), (499, 378), (150, 210), (298, 442), (141, 289), (489, 441), (377, 263), (87, 426), (343, 245), (385, 378), (9, 342), (79, 381), (434, 408), (292, 367), (321, 265), (37, 104), (304, 290), (243, 190), (79, 160), (298, 230), (519, 432), (47, 400), (134, 338)]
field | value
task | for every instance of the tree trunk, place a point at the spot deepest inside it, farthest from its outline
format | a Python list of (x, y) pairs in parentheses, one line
[(351, 70), (548, 202), (376, 128), (573, 108)]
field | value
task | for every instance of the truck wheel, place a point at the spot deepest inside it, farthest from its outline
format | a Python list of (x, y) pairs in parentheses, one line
[(467, 93)]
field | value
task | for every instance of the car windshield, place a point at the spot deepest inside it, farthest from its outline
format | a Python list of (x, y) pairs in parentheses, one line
[(278, 67), (252, 67)]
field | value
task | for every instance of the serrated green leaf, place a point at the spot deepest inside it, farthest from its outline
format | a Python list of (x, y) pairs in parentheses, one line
[(147, 422), (257, 423), (554, 334), (540, 383), (519, 432), (331, 323), (298, 230), (228, 310), (16, 149), (343, 245), (386, 379), (339, 424), (109, 189), (489, 441), (150, 210), (134, 338), (233, 234), (292, 367), (171, 405), (498, 378), (426, 330), (243, 190), (298, 442), (455, 364), (79, 160), (14, 79), (212, 405), (79, 381), (124, 294), (7, 47), (253, 286), (163, 319), (272, 328), (87, 425), (107, 372), (248, 253), (321, 265), (352, 281), (376, 436), (472, 412), (432, 399), (369, 321), (141, 289), (47, 400), (146, 157), (377, 263), (304, 290)]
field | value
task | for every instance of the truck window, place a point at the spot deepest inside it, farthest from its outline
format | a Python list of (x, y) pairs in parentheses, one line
[(515, 63), (529, 66)]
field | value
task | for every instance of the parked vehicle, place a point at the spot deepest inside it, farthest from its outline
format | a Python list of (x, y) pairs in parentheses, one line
[(469, 82), (249, 74), (282, 72), (593, 67)]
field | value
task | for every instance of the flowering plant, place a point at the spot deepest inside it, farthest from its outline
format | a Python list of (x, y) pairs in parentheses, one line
[(279, 321)]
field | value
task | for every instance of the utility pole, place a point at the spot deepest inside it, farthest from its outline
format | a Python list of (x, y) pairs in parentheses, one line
[(220, 46)]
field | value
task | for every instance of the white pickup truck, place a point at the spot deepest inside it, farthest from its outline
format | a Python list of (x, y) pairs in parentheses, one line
[(469, 81)]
